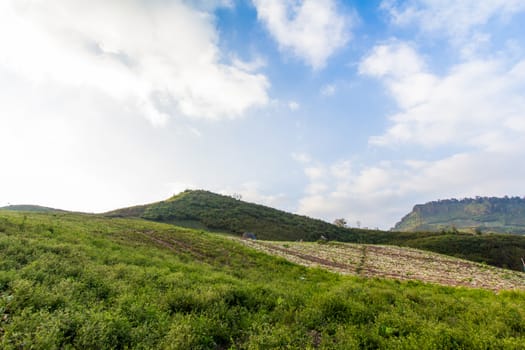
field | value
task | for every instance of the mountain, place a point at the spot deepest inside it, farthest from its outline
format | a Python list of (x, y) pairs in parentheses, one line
[(30, 207), (475, 215), (210, 211), (78, 281)]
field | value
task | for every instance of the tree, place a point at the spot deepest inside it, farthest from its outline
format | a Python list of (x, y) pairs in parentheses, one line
[(340, 222), (237, 196)]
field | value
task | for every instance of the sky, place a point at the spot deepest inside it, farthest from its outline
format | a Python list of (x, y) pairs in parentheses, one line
[(326, 108)]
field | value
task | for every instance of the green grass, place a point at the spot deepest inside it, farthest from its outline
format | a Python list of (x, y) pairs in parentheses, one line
[(222, 213), (78, 281)]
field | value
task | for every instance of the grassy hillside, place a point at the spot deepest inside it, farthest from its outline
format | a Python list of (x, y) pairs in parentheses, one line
[(78, 281), (481, 214), (30, 207), (208, 211)]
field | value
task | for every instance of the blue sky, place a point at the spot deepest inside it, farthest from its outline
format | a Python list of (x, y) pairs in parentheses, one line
[(328, 108)]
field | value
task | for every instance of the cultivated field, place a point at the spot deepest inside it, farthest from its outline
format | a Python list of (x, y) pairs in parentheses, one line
[(394, 262)]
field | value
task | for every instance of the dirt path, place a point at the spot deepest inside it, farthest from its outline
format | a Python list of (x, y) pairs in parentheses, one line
[(394, 262)]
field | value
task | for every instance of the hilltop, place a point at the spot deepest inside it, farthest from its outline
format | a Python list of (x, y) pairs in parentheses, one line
[(210, 211), (91, 282), (30, 208), (475, 215)]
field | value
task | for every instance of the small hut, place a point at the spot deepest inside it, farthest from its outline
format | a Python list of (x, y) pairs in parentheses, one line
[(249, 235)]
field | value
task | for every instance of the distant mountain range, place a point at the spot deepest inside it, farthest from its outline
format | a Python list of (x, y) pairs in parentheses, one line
[(476, 215)]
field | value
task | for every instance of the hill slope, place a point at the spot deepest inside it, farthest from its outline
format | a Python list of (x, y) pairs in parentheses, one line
[(30, 207), (87, 282), (207, 210), (481, 214)]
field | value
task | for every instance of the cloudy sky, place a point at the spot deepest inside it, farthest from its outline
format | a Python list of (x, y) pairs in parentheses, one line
[(328, 108)]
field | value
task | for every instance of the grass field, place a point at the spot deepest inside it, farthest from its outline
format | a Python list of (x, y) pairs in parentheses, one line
[(71, 281)]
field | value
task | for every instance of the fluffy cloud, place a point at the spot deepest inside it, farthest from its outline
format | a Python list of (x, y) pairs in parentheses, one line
[(478, 103), (338, 190), (473, 116), (312, 29), (454, 18), (251, 192), (158, 57), (379, 195)]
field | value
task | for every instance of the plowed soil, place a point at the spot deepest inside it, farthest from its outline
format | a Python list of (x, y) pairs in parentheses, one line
[(394, 262)]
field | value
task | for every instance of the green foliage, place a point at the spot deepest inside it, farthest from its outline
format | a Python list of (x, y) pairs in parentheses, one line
[(100, 283), (501, 250), (210, 211), (30, 207)]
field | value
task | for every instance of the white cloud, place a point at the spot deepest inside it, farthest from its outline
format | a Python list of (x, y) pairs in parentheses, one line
[(249, 66), (477, 107), (251, 192), (337, 190), (477, 103), (311, 29), (315, 172), (328, 90), (293, 105), (392, 60), (470, 49), (456, 19), (160, 57), (379, 195)]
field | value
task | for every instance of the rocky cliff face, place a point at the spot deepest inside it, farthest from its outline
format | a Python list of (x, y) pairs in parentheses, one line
[(480, 214)]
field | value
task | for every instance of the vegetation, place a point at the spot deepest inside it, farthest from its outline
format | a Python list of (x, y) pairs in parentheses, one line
[(30, 207), (208, 211), (81, 281), (393, 262), (480, 214), (501, 250)]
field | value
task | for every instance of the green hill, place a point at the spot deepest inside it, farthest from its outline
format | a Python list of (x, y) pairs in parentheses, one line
[(210, 211), (72, 281), (30, 207), (480, 214)]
